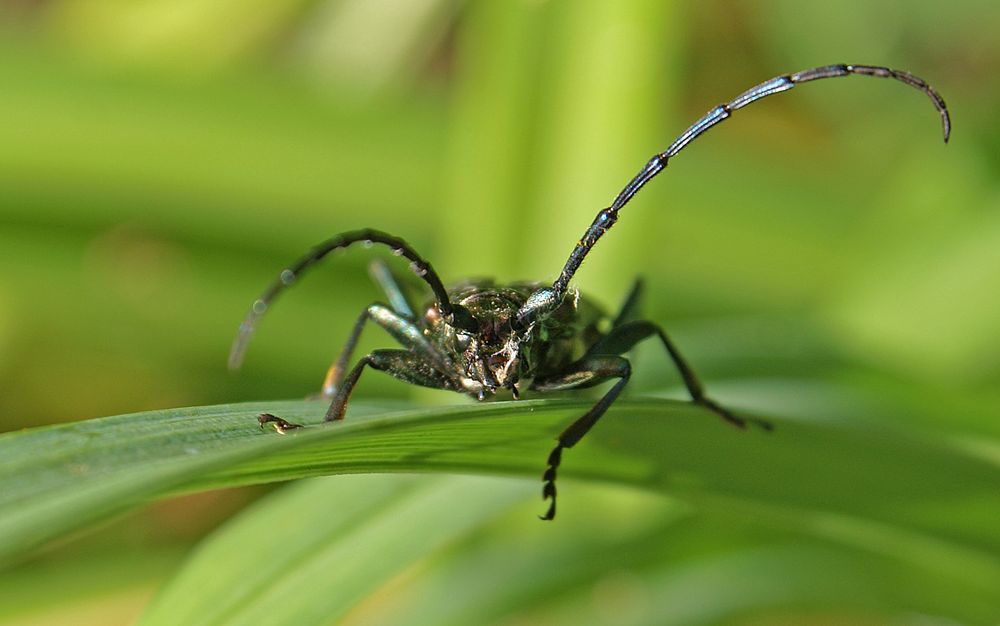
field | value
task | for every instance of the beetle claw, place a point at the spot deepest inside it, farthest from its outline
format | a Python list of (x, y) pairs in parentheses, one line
[(732, 418)]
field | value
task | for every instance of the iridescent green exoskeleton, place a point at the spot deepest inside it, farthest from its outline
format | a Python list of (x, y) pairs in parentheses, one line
[(479, 338)]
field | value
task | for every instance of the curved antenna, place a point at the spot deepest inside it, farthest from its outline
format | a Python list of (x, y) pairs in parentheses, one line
[(290, 274), (607, 218)]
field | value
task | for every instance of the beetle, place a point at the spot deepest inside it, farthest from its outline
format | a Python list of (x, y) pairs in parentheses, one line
[(479, 338)]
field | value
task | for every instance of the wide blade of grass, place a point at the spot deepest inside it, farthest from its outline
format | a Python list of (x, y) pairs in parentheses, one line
[(63, 478), (896, 492)]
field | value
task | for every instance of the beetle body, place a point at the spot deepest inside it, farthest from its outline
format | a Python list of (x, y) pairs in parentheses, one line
[(481, 338)]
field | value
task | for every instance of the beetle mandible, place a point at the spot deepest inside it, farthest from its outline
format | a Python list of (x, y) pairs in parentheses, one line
[(478, 337)]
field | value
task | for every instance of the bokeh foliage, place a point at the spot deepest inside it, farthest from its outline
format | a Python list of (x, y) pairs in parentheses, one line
[(820, 256)]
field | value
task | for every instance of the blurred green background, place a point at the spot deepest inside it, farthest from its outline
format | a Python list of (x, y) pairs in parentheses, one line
[(820, 256)]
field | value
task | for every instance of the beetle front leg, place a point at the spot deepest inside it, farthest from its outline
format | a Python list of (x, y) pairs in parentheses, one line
[(587, 372), (391, 287), (627, 312), (402, 330), (426, 366), (400, 364), (335, 374)]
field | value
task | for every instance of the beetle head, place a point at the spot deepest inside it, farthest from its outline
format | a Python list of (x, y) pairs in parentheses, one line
[(481, 341)]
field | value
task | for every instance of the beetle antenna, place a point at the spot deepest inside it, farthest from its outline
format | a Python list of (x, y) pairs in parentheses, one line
[(607, 217), (290, 274)]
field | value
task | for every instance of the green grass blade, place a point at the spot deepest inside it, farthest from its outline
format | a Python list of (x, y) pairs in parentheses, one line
[(906, 494), (63, 478)]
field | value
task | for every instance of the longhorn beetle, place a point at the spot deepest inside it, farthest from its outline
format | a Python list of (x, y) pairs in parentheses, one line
[(479, 337)]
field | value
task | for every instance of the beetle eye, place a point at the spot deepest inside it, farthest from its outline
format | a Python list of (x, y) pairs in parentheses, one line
[(462, 340), (462, 319)]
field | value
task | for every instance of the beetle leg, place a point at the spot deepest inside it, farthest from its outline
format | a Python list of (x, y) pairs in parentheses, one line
[(335, 374), (622, 338), (402, 330), (387, 280), (430, 368), (400, 364), (627, 312), (589, 371)]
